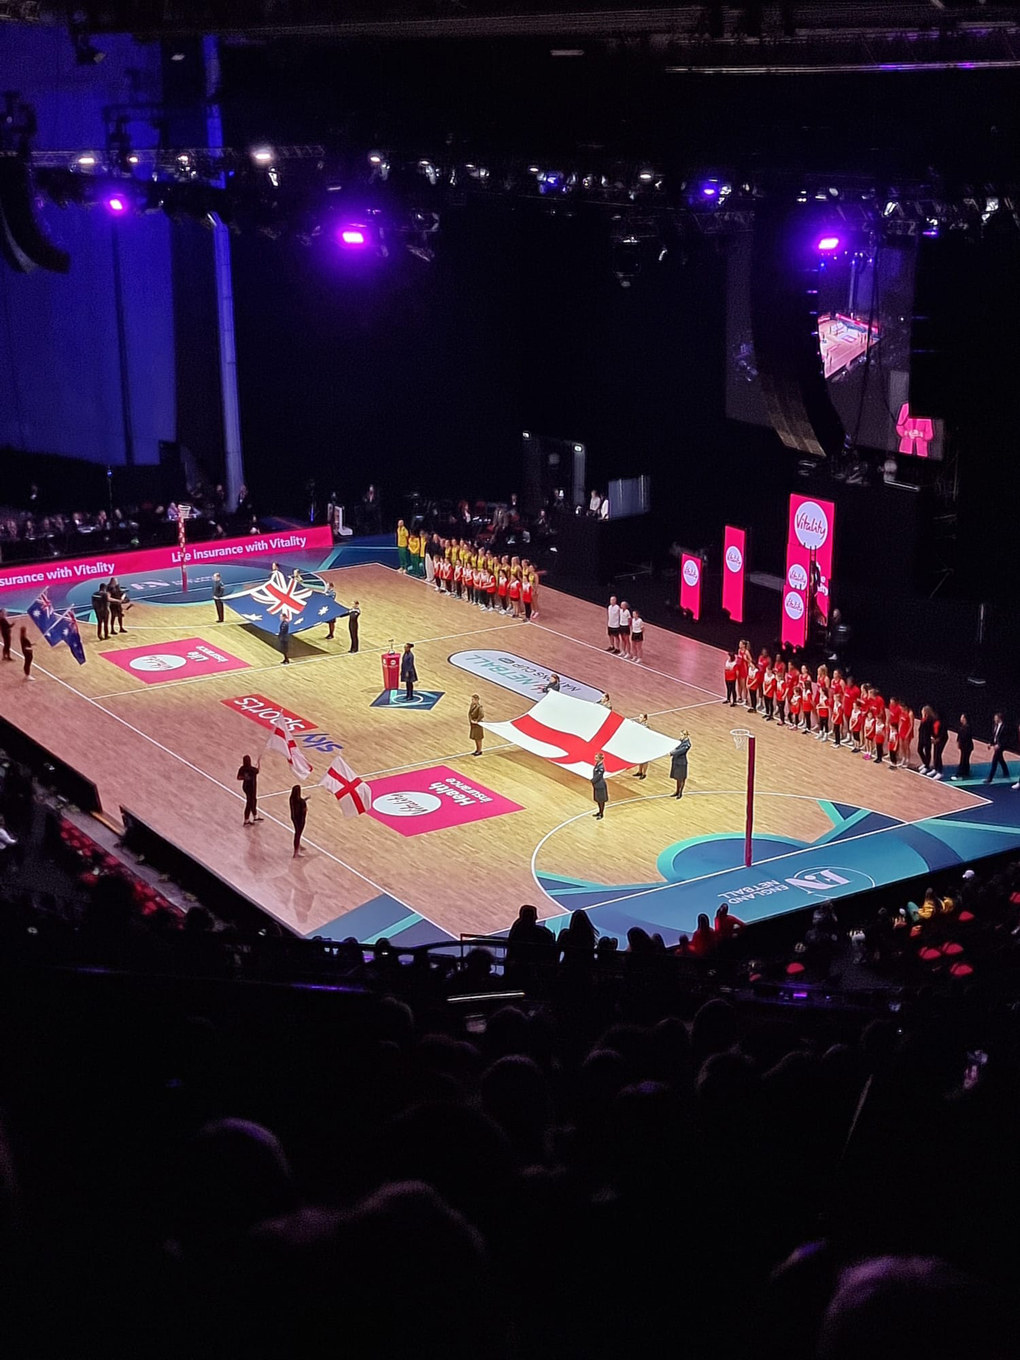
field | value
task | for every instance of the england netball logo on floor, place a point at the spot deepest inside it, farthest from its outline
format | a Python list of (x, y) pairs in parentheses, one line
[(520, 676)]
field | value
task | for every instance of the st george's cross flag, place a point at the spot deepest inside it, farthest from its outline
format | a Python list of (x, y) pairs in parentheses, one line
[(571, 732), (283, 742), (350, 791)]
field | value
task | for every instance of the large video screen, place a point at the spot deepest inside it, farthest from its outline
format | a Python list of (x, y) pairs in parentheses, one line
[(865, 311)]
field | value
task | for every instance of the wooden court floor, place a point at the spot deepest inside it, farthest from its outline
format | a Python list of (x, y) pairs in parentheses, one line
[(169, 752)]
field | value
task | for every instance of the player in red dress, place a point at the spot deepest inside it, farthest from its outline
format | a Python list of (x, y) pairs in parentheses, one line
[(881, 727), (906, 735), (848, 708), (743, 662)]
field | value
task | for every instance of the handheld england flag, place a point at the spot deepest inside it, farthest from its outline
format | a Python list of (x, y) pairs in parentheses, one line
[(284, 743), (351, 792), (66, 630), (571, 732), (44, 616)]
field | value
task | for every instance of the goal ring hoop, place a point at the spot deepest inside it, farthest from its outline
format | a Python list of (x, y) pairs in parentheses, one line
[(740, 736)]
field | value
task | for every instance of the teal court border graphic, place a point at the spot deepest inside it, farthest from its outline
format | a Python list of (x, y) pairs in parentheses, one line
[(862, 849)]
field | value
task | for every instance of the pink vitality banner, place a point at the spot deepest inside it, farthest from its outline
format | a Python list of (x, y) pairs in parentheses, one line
[(734, 553), (690, 584), (810, 532), (218, 553)]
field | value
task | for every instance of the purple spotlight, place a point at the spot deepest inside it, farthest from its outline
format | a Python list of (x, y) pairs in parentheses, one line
[(709, 190), (353, 236), (827, 243), (116, 204)]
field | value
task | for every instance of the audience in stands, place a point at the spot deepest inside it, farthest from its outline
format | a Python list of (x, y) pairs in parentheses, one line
[(639, 1156)]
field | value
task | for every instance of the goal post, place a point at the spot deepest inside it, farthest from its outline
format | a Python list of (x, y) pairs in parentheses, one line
[(744, 740)]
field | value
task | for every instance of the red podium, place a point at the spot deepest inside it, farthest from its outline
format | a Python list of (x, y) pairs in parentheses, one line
[(391, 670)]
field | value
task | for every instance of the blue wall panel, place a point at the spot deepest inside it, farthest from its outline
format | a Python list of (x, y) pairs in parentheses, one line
[(60, 373)]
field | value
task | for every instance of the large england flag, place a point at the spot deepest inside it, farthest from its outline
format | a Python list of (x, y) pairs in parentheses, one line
[(571, 733)]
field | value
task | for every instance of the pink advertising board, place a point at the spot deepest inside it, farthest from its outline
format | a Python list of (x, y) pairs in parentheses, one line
[(41, 575), (430, 800), (810, 532)]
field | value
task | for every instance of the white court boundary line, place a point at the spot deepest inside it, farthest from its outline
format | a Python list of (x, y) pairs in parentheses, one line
[(716, 873), (234, 794)]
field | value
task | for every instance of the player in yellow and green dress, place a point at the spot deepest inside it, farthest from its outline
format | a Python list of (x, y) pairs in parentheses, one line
[(402, 554)]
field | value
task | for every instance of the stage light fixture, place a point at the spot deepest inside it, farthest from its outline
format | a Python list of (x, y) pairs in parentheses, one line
[(353, 236), (85, 54), (262, 155), (115, 204), (826, 244), (88, 160)]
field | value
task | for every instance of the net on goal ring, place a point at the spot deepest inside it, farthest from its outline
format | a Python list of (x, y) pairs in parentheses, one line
[(740, 736)]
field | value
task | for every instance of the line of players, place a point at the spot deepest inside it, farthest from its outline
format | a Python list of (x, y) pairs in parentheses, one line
[(508, 585), (832, 708)]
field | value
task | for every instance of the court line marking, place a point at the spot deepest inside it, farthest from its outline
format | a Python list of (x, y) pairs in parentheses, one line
[(771, 859), (677, 679), (274, 665), (234, 794)]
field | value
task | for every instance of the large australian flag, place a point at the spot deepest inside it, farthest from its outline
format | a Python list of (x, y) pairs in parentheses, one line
[(67, 627), (45, 617), (285, 597)]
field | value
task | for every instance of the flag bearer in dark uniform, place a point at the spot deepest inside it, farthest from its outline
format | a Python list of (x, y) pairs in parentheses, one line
[(6, 629), (352, 624), (285, 639), (101, 607), (331, 596), (598, 786)]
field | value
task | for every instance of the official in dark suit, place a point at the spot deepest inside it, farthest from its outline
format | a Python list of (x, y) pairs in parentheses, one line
[(352, 624), (6, 629), (407, 670), (218, 593), (965, 745), (285, 640), (1000, 737), (101, 608)]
